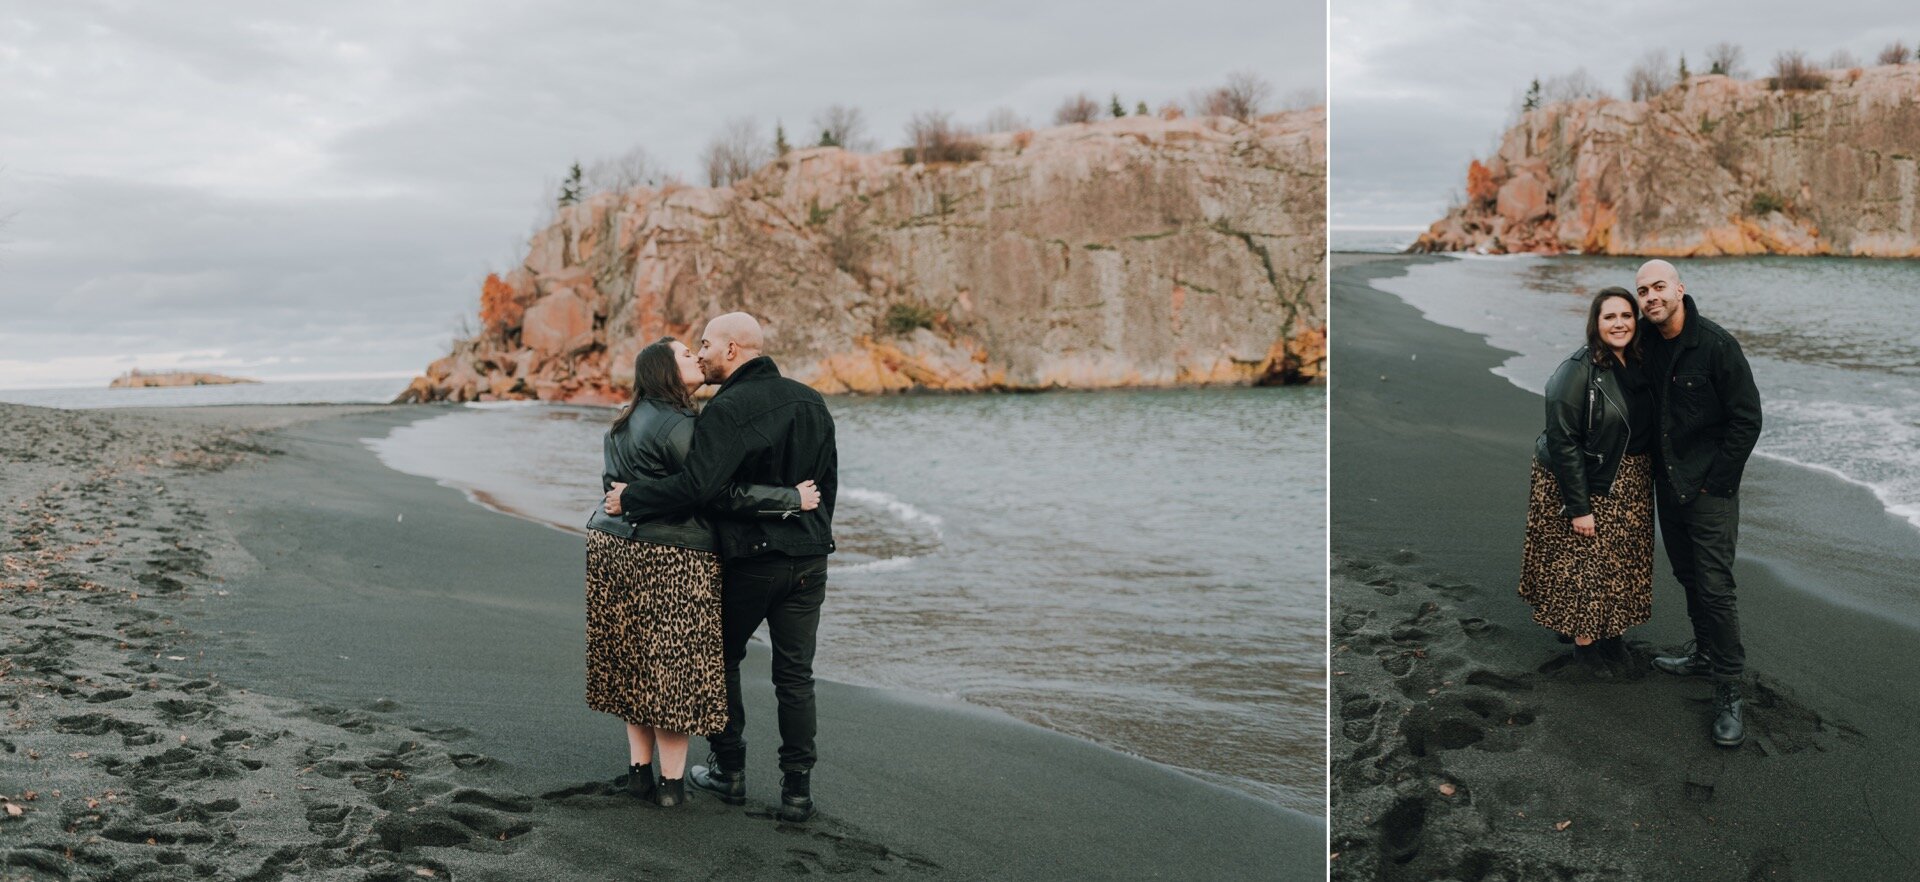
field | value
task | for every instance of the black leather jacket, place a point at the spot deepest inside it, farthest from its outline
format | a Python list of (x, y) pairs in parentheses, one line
[(653, 444), (1709, 407), (761, 428), (1587, 431)]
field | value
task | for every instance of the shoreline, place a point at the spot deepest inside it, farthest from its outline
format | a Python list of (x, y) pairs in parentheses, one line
[(480, 760), (1464, 744)]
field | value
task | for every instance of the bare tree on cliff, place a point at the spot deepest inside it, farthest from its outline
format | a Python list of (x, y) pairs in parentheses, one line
[(1793, 72), (936, 138), (1725, 59), (1003, 119), (1077, 109), (1576, 86), (1841, 59), (1896, 53), (842, 126), (1244, 97), (736, 152), (1649, 76), (619, 174)]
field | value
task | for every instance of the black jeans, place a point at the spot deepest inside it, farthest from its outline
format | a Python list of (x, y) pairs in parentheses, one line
[(786, 593), (1700, 537)]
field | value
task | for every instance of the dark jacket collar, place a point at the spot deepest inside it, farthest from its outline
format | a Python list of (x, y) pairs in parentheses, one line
[(757, 368), (664, 404), (1690, 332)]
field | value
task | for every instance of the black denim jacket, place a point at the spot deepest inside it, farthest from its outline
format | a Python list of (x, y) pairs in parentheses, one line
[(1708, 404), (760, 428)]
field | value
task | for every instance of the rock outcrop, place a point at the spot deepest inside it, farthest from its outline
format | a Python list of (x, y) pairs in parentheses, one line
[(1713, 166), (139, 379), (1130, 252)]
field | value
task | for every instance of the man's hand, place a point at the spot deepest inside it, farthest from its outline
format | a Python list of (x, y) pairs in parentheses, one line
[(1583, 526), (613, 499), (809, 496)]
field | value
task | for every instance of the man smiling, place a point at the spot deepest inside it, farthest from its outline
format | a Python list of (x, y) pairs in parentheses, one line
[(1709, 420)]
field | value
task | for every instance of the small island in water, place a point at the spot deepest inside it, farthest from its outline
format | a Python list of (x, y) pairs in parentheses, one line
[(139, 379)]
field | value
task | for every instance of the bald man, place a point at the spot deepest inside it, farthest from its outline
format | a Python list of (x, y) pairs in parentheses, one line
[(1709, 413), (774, 570)]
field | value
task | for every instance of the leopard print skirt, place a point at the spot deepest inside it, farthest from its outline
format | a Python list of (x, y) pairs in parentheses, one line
[(1591, 587), (653, 635)]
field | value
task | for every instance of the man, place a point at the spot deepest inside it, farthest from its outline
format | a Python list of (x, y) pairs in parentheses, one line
[(1709, 420), (759, 428)]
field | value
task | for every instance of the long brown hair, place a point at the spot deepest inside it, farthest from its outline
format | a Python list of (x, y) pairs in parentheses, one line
[(656, 374), (1597, 348)]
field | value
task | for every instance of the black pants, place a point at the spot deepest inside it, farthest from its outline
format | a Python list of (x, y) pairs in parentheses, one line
[(1700, 537), (786, 593)]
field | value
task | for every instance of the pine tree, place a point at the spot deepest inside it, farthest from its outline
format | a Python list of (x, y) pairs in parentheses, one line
[(827, 139), (1141, 109), (780, 145), (1683, 68), (1533, 95), (1116, 108), (570, 188)]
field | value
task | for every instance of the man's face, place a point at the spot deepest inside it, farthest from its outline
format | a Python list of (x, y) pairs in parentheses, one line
[(713, 359), (1659, 293)]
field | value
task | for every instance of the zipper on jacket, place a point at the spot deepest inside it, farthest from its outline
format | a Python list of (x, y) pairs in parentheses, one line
[(1624, 444)]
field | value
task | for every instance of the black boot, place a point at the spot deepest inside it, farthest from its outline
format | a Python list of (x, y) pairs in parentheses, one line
[(1613, 651), (796, 795), (728, 784), (640, 781), (1728, 730), (1591, 661), (672, 792), (1693, 664)]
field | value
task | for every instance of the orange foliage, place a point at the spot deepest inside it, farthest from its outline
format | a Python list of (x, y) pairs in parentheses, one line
[(1480, 186), (498, 310)]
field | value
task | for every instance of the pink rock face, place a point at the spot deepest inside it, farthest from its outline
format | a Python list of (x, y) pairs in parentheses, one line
[(558, 325), (1523, 200)]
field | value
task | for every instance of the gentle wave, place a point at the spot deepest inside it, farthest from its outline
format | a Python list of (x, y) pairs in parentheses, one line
[(884, 565), (902, 510)]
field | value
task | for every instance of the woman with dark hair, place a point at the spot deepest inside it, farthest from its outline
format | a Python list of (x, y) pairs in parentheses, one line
[(653, 587), (1588, 564)]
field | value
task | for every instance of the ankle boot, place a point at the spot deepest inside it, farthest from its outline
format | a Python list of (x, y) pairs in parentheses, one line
[(796, 795), (730, 785), (1591, 661), (1728, 730), (672, 792), (640, 781)]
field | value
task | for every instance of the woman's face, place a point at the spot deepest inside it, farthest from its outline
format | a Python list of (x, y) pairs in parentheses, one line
[(1616, 322), (690, 372)]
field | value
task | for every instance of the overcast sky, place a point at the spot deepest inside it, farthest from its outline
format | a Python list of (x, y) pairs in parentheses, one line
[(318, 190), (1420, 88)]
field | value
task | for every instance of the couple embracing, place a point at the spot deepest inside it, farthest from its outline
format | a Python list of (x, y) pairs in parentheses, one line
[(1657, 413), (711, 524)]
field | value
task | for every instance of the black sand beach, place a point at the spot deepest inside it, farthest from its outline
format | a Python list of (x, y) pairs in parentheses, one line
[(237, 647), (1465, 748)]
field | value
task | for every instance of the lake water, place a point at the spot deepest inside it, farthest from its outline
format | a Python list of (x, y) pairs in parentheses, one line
[(1145, 570), (1834, 344), (379, 390)]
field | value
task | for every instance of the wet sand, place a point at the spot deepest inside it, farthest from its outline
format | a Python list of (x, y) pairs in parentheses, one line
[(239, 648), (1465, 746)]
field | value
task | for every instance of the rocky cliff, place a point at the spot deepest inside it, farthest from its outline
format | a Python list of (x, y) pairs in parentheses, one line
[(1130, 252), (1713, 166)]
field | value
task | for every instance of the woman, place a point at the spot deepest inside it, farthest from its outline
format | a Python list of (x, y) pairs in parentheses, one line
[(1588, 565), (653, 587)]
